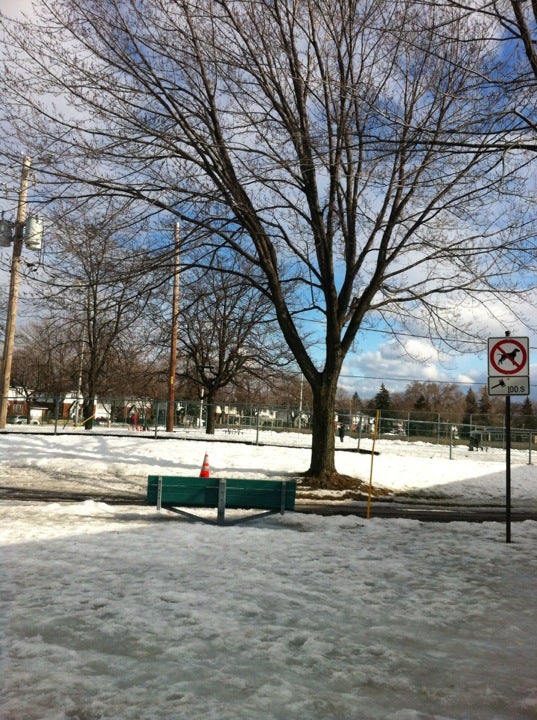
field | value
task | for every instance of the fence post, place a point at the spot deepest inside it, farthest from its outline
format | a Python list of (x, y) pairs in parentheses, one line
[(530, 440), (157, 408), (257, 427)]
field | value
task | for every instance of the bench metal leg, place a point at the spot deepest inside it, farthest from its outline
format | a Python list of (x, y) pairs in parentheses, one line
[(254, 516), (159, 493), (221, 502), (282, 499), (220, 522), (190, 516)]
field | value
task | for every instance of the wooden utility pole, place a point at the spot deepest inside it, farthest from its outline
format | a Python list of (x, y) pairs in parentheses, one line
[(174, 329), (11, 317)]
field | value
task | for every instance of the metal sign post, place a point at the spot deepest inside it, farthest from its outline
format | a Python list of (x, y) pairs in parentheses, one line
[(508, 363), (508, 469)]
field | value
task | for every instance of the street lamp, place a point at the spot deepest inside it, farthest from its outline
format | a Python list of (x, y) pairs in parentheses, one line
[(30, 231)]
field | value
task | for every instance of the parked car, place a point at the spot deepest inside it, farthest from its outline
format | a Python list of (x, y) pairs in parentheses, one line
[(22, 420)]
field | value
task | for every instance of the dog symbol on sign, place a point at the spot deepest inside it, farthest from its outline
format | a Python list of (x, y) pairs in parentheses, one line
[(508, 356)]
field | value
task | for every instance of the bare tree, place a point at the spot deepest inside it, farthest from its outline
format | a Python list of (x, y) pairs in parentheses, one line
[(446, 399), (352, 151), (45, 362), (513, 24), (228, 333), (98, 283), (522, 26), (516, 21)]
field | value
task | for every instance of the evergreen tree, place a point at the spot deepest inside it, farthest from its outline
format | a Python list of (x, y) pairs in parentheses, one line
[(382, 400), (422, 403), (484, 407), (470, 410), (527, 417)]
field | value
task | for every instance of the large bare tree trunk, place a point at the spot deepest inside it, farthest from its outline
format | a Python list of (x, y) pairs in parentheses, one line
[(322, 471), (211, 413), (88, 411), (322, 468)]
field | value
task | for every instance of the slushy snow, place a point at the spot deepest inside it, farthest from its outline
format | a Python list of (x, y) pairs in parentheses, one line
[(117, 612)]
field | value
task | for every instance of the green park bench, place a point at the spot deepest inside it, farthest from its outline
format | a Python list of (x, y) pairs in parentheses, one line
[(175, 493)]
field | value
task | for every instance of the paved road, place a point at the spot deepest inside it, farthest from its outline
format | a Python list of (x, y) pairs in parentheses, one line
[(382, 509), (42, 495), (425, 513)]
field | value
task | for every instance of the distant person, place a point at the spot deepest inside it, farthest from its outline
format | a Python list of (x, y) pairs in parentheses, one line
[(342, 432), (474, 442)]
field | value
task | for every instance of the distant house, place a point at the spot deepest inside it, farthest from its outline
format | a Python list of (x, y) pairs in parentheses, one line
[(227, 415), (17, 402), (70, 408), (21, 404)]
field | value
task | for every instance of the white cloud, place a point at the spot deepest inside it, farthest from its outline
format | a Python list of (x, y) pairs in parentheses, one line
[(16, 8), (398, 363), (494, 318)]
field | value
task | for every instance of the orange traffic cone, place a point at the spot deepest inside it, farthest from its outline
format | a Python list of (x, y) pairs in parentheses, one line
[(205, 467)]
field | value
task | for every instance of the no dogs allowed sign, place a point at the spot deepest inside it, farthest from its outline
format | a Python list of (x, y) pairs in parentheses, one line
[(509, 364)]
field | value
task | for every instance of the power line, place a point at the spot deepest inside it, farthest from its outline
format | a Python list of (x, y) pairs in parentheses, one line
[(403, 379)]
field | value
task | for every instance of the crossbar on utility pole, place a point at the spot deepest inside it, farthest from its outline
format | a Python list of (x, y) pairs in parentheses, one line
[(11, 317), (174, 331)]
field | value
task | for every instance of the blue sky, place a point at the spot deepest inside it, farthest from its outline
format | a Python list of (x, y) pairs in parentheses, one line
[(381, 359)]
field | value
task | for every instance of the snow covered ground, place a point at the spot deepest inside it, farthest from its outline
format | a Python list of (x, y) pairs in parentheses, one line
[(119, 613)]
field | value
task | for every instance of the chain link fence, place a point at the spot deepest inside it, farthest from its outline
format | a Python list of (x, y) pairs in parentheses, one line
[(476, 435), (264, 423)]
